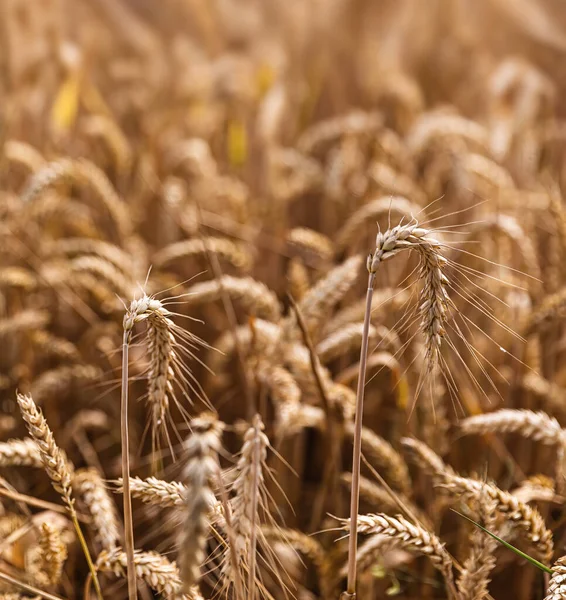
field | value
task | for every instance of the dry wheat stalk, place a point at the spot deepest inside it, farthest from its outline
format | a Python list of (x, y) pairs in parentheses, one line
[(53, 552), (254, 296), (118, 281), (538, 488), (380, 499), (370, 552), (285, 394), (411, 537), (202, 448), (20, 453), (391, 181), (436, 126), (91, 491), (384, 301), (108, 131), (20, 153)]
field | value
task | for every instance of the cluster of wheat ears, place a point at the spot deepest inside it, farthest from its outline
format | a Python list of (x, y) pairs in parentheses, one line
[(282, 299)]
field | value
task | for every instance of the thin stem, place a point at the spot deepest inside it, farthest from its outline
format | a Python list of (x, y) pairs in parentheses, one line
[(86, 552), (230, 533), (128, 521), (17, 497), (253, 510), (28, 588), (232, 320), (333, 444), (355, 497)]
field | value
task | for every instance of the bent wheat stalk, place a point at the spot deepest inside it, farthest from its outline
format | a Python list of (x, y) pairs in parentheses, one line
[(434, 302)]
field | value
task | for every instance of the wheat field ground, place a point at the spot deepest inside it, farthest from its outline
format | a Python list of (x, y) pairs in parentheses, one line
[(282, 299)]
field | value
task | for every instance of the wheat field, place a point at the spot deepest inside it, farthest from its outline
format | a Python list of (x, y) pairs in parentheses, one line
[(282, 299)]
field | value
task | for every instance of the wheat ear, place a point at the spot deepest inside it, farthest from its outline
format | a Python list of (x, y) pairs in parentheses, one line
[(523, 516), (156, 491), (557, 585), (53, 552), (57, 467), (20, 453), (474, 578), (157, 571), (411, 537), (202, 450), (92, 492), (535, 425), (162, 354)]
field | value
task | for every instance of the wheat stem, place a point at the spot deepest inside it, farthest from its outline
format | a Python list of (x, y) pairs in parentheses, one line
[(128, 521), (355, 496)]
